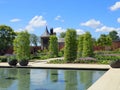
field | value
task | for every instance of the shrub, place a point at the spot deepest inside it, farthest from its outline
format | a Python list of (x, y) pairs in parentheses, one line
[(3, 58)]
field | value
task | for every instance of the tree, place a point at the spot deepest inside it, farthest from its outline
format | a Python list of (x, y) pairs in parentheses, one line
[(87, 45), (114, 35), (104, 41), (7, 35), (70, 49), (62, 35), (80, 45), (53, 46), (34, 40), (22, 45)]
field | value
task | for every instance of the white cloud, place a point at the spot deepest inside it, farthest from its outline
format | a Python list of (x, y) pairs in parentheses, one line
[(80, 31), (19, 30), (92, 23), (59, 18), (106, 29), (118, 20), (15, 20), (59, 30), (116, 6), (36, 22)]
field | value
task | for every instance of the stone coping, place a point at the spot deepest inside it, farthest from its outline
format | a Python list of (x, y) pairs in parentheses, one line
[(59, 66), (109, 81)]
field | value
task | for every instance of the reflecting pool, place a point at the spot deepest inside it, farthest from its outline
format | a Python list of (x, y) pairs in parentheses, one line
[(47, 79)]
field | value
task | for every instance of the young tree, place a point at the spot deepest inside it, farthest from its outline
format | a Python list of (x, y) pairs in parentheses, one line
[(7, 35), (70, 49), (53, 46), (80, 45), (87, 45), (22, 45)]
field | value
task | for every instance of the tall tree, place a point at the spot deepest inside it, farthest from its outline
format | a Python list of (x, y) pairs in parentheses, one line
[(53, 46), (7, 35), (87, 45), (70, 49), (104, 41), (114, 35), (22, 45), (80, 45), (62, 35), (34, 40)]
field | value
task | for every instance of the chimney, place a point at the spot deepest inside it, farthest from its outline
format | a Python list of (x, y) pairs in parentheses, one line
[(51, 31)]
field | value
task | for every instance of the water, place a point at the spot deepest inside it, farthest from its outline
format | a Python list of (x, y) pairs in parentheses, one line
[(47, 79)]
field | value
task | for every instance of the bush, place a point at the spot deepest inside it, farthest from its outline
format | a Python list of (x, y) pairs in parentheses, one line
[(57, 61), (85, 60), (3, 58)]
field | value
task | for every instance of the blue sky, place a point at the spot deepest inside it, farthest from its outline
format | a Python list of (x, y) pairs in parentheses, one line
[(96, 16)]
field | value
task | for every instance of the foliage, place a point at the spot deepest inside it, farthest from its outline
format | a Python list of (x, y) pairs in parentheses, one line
[(114, 35), (80, 45), (87, 45), (22, 46), (3, 58), (34, 40), (86, 60), (7, 35), (53, 46), (70, 49), (12, 57), (62, 34), (57, 61), (104, 40)]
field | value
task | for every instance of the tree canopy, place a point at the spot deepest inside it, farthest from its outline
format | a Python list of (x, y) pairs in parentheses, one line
[(34, 40), (114, 35), (7, 35), (62, 35)]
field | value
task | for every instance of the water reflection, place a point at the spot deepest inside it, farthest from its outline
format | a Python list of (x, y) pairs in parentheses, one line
[(86, 78), (7, 77), (23, 79), (54, 75), (46, 79), (71, 80)]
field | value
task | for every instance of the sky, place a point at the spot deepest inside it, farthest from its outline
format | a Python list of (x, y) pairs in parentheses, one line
[(96, 16)]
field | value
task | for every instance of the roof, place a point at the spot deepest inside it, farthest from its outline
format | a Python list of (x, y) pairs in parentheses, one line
[(46, 33)]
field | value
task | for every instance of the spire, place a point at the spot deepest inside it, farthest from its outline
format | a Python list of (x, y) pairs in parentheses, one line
[(46, 33), (46, 30)]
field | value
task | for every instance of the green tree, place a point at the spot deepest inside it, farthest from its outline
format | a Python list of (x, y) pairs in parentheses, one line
[(70, 49), (87, 45), (80, 45), (62, 35), (114, 35), (22, 45), (104, 41), (53, 46), (34, 40), (7, 35)]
